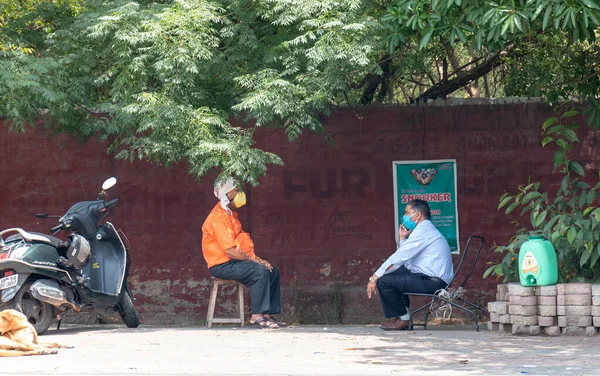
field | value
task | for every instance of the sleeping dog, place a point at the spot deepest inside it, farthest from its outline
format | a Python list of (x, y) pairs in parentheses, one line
[(18, 337)]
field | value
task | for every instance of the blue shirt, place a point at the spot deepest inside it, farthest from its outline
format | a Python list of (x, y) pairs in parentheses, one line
[(425, 251)]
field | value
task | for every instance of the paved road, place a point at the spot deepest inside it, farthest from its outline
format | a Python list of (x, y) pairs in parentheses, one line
[(357, 350)]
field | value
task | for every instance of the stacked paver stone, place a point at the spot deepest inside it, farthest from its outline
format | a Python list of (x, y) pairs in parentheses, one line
[(547, 319), (523, 309), (574, 308), (596, 305), (499, 317)]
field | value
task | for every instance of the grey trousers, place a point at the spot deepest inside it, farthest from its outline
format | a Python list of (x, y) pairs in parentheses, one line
[(264, 284)]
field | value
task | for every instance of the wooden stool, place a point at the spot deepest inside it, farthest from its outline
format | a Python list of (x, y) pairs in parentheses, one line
[(213, 300)]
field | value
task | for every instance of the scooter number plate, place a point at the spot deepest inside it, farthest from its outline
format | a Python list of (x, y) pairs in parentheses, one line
[(9, 281)]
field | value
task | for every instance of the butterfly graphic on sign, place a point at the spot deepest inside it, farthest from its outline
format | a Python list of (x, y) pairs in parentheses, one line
[(424, 176)]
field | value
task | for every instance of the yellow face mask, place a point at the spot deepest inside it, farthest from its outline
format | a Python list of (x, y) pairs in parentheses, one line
[(239, 200)]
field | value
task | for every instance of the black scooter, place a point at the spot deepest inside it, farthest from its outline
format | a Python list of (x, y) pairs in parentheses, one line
[(44, 276)]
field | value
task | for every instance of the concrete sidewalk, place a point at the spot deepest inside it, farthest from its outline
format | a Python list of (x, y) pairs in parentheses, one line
[(356, 350)]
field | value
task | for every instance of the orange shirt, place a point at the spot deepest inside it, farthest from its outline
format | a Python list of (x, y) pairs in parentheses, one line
[(222, 231)]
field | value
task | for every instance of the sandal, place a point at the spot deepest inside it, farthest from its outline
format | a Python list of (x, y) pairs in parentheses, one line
[(263, 323), (280, 324)]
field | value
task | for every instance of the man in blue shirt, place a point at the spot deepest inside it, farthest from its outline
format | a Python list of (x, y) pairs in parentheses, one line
[(421, 264)]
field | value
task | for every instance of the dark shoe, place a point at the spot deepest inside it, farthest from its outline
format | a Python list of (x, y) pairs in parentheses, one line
[(395, 324)]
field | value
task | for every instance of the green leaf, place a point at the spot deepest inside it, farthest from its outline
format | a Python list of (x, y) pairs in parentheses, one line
[(546, 17), (549, 122), (571, 234), (586, 211), (570, 114), (576, 167), (541, 218), (547, 140), (551, 223), (426, 38), (591, 196), (504, 202), (570, 135), (595, 257), (561, 143), (585, 256), (489, 271), (511, 207), (530, 196), (558, 157)]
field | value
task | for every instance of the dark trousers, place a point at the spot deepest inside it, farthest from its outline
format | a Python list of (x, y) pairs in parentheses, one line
[(393, 286), (264, 284)]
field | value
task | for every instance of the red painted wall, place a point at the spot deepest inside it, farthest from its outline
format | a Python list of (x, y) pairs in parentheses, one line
[(326, 218)]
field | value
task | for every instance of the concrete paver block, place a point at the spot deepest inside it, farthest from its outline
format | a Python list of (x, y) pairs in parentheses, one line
[(530, 320), (535, 330), (544, 310), (595, 310), (520, 329), (505, 328), (552, 331), (591, 331), (547, 321), (564, 321), (596, 321), (498, 307), (505, 319), (596, 300), (545, 290), (574, 288), (515, 289), (494, 317), (493, 326), (522, 300), (516, 319), (522, 310), (596, 289), (573, 310), (502, 291), (573, 331), (576, 300), (547, 300)]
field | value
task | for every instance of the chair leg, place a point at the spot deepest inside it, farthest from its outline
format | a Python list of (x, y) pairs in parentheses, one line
[(467, 310), (410, 321), (240, 287), (212, 303)]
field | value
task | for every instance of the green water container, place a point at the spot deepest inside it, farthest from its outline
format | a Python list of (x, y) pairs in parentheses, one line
[(538, 265)]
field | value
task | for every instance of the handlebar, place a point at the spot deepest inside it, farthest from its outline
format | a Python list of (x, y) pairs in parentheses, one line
[(57, 227), (112, 202)]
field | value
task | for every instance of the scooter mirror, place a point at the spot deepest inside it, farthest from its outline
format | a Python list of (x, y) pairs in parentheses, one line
[(109, 183)]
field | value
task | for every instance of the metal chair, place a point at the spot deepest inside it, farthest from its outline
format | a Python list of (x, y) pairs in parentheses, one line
[(466, 306)]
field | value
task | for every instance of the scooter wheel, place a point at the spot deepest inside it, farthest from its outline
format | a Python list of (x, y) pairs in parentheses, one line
[(38, 313), (127, 310)]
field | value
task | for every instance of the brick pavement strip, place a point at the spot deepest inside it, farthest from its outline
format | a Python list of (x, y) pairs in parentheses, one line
[(595, 311), (545, 290), (573, 310), (515, 289), (596, 321), (596, 300), (565, 321), (522, 310), (547, 321), (596, 289), (547, 310), (574, 289), (547, 300), (576, 300), (522, 300)]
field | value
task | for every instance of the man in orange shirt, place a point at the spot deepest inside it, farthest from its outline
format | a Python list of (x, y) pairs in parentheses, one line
[(229, 253)]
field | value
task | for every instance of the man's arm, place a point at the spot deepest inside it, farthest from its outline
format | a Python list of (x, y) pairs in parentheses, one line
[(237, 254), (408, 249)]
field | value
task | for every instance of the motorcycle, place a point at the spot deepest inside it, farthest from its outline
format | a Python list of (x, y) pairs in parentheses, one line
[(43, 276)]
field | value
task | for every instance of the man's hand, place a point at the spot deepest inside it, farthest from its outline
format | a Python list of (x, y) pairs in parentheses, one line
[(403, 232), (371, 289), (265, 263)]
